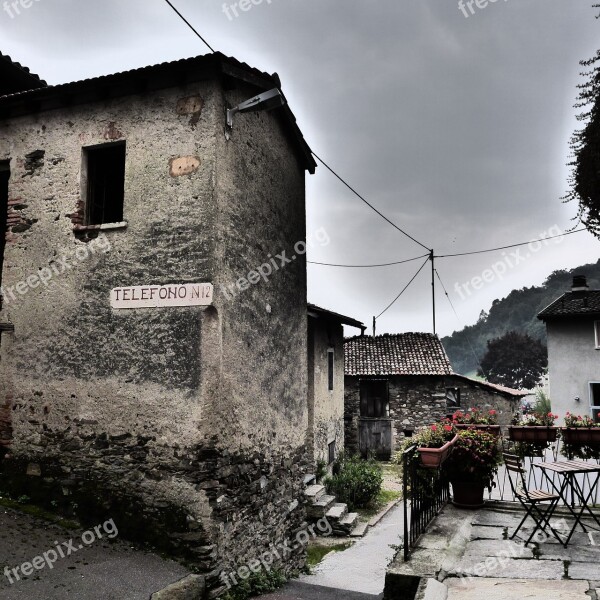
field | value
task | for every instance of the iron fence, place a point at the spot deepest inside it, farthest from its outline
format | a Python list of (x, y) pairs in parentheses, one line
[(425, 493)]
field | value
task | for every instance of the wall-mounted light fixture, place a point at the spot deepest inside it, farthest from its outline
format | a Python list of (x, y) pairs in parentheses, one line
[(265, 101)]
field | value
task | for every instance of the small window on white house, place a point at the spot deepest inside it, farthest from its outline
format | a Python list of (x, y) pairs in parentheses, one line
[(597, 333), (330, 367), (103, 184)]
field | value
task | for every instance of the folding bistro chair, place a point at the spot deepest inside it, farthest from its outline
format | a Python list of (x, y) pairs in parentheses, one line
[(530, 498)]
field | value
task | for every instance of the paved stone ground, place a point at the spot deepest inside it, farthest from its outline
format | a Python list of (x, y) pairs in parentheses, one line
[(470, 554), (357, 573), (104, 570)]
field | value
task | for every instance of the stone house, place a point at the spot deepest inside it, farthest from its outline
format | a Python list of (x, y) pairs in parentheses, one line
[(153, 365), (397, 383), (573, 327), (326, 383)]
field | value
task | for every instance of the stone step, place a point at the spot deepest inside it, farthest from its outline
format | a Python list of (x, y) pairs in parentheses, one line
[(337, 512), (345, 525), (360, 530), (314, 492), (319, 509)]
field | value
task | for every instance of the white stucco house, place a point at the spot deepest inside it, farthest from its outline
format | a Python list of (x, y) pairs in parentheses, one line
[(573, 326)]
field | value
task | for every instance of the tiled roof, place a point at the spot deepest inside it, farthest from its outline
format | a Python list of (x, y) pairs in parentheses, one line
[(14, 77), (158, 76), (327, 314), (573, 304), (494, 386), (398, 354)]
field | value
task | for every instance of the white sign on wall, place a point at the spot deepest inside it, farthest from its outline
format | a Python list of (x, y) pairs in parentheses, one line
[(160, 296)]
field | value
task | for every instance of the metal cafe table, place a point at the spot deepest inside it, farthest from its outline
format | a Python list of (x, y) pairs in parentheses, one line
[(568, 471)]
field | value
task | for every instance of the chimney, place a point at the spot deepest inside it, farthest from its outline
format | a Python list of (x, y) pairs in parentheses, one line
[(580, 286)]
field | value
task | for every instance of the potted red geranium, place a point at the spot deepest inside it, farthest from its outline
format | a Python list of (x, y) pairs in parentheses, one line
[(581, 437), (472, 466), (434, 444), (534, 427), (477, 419)]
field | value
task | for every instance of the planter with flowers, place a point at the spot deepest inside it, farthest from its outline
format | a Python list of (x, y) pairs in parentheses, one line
[(581, 437), (476, 419), (534, 428), (472, 466), (434, 444)]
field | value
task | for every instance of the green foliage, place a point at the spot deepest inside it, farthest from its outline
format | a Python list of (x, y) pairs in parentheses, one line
[(316, 554), (321, 471), (515, 360), (517, 312), (356, 481), (256, 585), (543, 405)]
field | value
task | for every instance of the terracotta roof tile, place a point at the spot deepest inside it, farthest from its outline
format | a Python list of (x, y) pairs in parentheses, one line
[(398, 354)]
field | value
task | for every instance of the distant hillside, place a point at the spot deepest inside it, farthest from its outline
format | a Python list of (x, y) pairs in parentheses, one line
[(518, 312)]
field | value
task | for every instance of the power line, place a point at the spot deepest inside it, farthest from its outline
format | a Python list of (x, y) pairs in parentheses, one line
[(400, 262), (511, 246), (460, 323), (404, 289), (189, 25), (369, 204)]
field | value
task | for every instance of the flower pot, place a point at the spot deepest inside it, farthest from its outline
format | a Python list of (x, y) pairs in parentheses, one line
[(532, 433), (468, 494), (432, 458), (590, 436), (493, 429)]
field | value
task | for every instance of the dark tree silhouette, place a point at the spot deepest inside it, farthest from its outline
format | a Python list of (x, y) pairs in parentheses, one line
[(515, 360), (585, 145)]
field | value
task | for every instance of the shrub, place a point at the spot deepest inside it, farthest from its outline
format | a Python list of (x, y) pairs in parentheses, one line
[(356, 481), (256, 585)]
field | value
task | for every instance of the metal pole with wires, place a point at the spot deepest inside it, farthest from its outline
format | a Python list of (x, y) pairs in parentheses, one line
[(432, 259)]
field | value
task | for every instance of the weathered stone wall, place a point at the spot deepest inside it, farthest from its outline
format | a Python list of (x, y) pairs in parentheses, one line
[(326, 407), (188, 424), (474, 395), (418, 401)]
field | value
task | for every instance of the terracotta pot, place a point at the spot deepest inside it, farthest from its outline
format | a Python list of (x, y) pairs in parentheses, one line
[(432, 458), (590, 436), (493, 429), (532, 433), (468, 494)]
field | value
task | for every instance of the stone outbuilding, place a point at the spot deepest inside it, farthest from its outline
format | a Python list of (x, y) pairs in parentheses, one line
[(326, 383), (395, 384), (153, 365)]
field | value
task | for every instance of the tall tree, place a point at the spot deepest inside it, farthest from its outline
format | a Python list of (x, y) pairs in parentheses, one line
[(515, 360), (585, 145)]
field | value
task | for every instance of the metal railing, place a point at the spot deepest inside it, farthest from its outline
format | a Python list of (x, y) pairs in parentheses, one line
[(426, 491), (535, 478)]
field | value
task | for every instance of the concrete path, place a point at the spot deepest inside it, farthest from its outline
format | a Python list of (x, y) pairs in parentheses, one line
[(362, 567), (103, 570)]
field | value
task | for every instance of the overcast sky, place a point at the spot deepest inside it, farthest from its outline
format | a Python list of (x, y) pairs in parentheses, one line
[(455, 127)]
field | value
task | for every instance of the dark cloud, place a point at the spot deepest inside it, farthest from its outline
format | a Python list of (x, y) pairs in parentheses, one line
[(457, 128)]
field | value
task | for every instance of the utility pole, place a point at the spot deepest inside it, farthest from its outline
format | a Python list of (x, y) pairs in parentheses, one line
[(374, 325), (432, 259)]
